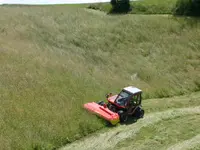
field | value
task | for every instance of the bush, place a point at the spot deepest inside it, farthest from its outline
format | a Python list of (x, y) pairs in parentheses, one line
[(120, 6), (187, 7)]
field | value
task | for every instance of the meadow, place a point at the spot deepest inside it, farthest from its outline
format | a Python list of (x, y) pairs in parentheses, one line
[(53, 59)]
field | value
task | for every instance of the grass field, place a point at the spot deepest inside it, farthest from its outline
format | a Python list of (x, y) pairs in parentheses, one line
[(170, 127), (56, 58), (164, 133)]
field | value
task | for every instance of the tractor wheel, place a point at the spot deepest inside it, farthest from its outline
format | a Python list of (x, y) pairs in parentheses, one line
[(139, 113), (112, 107), (122, 116)]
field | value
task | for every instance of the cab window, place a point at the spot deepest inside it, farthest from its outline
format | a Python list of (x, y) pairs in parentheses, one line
[(136, 99)]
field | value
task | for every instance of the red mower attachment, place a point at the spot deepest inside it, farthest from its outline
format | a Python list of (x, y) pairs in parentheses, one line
[(103, 112), (119, 107)]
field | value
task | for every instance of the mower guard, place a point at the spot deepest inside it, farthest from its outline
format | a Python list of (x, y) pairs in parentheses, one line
[(103, 112)]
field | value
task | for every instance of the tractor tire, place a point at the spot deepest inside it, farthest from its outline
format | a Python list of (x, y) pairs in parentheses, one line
[(142, 113), (139, 113), (122, 116), (112, 107)]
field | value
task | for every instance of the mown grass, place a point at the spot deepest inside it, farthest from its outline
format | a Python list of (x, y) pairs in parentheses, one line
[(195, 148), (156, 105), (56, 58), (141, 7), (163, 134)]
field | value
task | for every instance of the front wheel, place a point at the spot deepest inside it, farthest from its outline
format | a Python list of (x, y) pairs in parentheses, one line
[(122, 116), (139, 113)]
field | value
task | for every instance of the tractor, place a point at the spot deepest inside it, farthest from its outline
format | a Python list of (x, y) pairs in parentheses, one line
[(120, 107)]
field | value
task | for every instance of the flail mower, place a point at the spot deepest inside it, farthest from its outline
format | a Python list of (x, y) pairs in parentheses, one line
[(119, 107)]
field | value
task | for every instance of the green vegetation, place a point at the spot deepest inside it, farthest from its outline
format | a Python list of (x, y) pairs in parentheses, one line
[(195, 148), (157, 105), (56, 58), (142, 6), (153, 6), (163, 134), (120, 6), (176, 7), (126, 133), (187, 7)]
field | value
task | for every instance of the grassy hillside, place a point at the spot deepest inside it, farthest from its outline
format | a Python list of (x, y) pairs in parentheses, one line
[(56, 58), (177, 133), (164, 134), (169, 123)]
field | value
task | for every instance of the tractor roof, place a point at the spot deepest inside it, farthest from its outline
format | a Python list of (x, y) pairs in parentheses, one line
[(132, 89)]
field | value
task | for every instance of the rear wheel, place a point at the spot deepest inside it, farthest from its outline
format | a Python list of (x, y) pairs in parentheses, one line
[(122, 116), (139, 113)]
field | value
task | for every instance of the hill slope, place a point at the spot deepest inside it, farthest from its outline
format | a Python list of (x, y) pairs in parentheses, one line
[(56, 58)]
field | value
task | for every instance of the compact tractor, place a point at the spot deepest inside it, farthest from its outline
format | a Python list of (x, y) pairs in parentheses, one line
[(119, 107)]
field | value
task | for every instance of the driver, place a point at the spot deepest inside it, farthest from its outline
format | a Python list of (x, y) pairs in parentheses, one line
[(131, 105)]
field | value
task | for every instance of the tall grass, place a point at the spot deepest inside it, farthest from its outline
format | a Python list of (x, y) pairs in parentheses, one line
[(56, 58), (153, 6)]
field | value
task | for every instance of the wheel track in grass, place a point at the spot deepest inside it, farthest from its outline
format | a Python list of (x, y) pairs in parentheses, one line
[(187, 144), (108, 140)]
